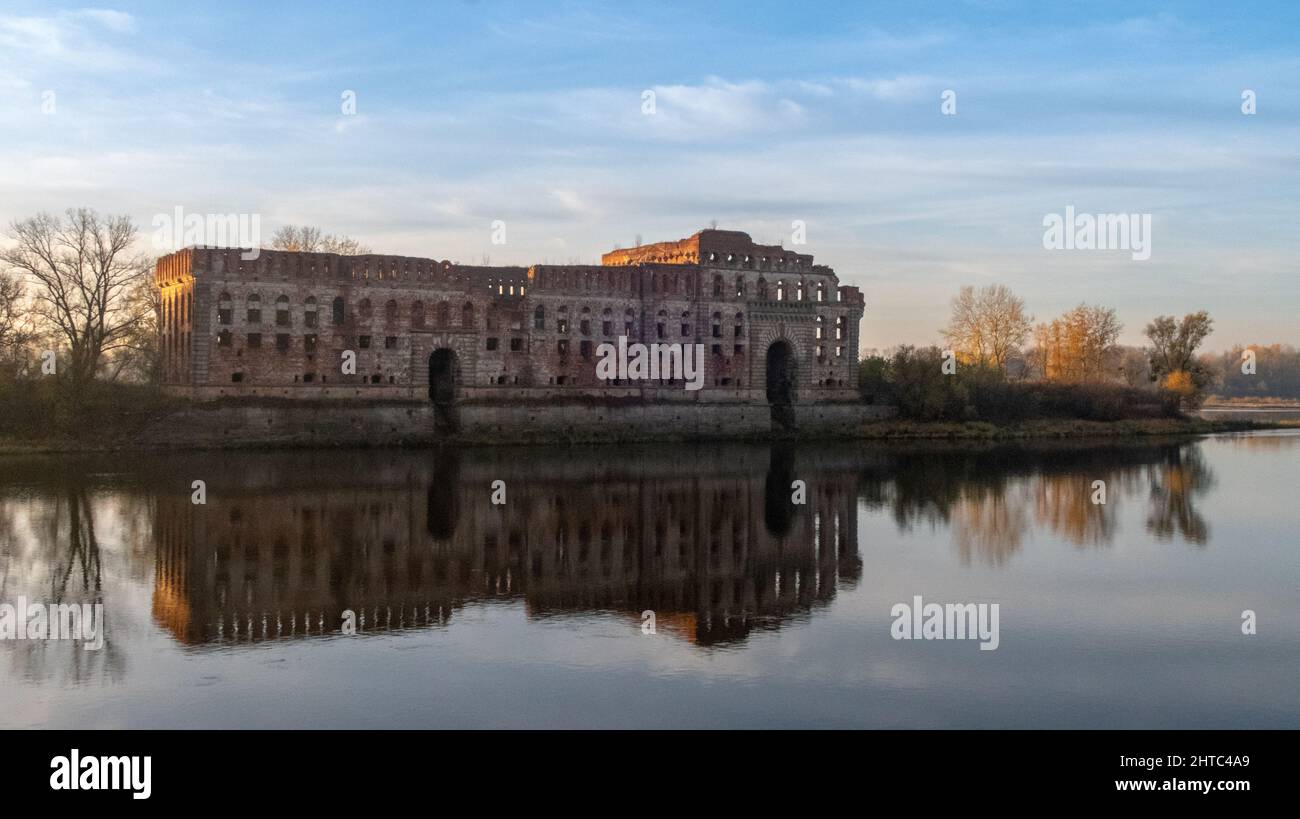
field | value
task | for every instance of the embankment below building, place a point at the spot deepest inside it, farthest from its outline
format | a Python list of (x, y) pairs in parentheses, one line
[(244, 423)]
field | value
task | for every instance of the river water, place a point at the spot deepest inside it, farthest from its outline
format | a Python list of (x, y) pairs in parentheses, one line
[(662, 586)]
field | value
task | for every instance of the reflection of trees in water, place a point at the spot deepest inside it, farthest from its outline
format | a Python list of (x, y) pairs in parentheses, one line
[(56, 558), (1174, 486), (989, 495), (988, 525), (1063, 504)]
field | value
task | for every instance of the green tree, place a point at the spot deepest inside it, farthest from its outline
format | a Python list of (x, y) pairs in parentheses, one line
[(1172, 355)]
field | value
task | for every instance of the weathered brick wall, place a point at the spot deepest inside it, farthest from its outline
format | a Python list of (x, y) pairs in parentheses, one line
[(281, 322)]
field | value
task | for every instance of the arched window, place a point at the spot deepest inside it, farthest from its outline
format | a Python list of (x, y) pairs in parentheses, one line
[(539, 318), (839, 327), (225, 309), (762, 287), (686, 323), (254, 313), (740, 286), (661, 324), (584, 321), (717, 325), (562, 320), (821, 291), (467, 315), (717, 287), (309, 312), (417, 314), (337, 310), (629, 322), (444, 314), (780, 289), (821, 327), (390, 311), (282, 311), (740, 325), (799, 291), (607, 322)]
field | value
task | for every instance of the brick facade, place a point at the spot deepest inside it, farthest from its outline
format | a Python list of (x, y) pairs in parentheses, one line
[(278, 325)]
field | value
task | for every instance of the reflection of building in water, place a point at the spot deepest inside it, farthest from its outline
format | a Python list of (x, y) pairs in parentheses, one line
[(714, 547)]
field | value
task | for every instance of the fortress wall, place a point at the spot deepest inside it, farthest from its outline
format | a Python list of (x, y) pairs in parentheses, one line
[(353, 423)]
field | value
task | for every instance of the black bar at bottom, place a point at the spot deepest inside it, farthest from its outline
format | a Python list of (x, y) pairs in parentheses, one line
[(205, 769)]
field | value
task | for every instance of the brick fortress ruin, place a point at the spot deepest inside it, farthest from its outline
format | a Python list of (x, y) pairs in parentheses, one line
[(780, 334)]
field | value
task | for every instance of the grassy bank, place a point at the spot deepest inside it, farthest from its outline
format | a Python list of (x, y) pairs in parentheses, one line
[(1060, 428)]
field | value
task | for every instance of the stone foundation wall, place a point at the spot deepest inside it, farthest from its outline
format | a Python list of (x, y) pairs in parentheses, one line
[(390, 423)]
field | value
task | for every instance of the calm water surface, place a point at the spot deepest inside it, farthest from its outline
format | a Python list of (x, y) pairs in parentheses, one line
[(470, 614)]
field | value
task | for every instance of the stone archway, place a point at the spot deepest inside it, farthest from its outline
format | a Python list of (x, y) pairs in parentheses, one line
[(782, 383), (443, 368)]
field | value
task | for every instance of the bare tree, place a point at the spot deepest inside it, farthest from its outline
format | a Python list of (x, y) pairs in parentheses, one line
[(139, 357), (16, 329), (83, 270), (987, 325), (312, 240)]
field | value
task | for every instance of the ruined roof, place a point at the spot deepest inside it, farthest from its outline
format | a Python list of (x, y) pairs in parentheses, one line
[(724, 247)]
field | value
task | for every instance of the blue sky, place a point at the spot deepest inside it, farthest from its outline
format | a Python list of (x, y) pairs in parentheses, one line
[(470, 112)]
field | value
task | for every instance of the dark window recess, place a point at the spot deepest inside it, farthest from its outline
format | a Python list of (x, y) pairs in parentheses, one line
[(607, 328), (516, 344), (585, 349), (562, 346), (254, 341), (338, 310), (562, 325), (717, 349), (254, 316), (282, 318), (281, 341), (585, 327), (390, 342), (225, 315), (309, 342), (686, 330), (308, 378), (363, 342), (309, 319), (740, 349), (236, 378), (223, 338), (740, 331), (491, 343)]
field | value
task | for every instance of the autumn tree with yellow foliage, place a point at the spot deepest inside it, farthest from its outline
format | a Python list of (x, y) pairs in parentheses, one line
[(1080, 346)]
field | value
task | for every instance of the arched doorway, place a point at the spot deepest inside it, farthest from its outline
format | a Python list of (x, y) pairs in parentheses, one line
[(442, 388), (782, 378)]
